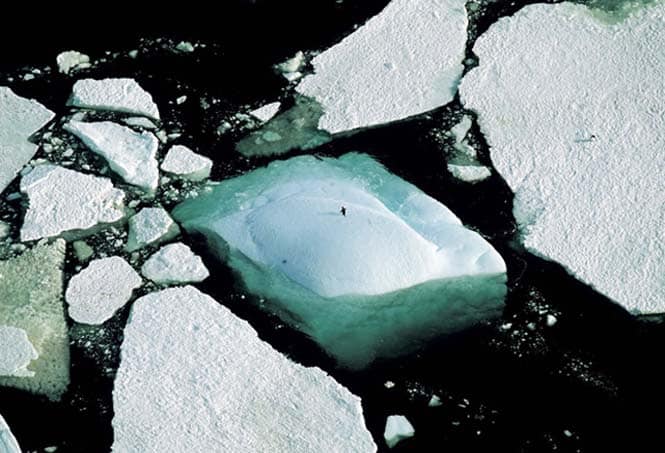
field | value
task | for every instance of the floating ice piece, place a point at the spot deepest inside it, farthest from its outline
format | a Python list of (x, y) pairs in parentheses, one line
[(175, 263), (72, 59), (63, 200), (434, 401), (4, 229), (149, 226), (131, 154), (469, 173), (184, 162), (101, 289), (292, 65), (139, 121), (398, 261), (384, 71), (117, 95), (397, 429), (266, 112), (8, 443), (31, 299), (239, 395), (16, 352), (184, 46), (82, 250), (588, 180), (19, 119)]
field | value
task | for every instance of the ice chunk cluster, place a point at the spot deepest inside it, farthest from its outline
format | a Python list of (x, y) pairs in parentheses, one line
[(397, 268)]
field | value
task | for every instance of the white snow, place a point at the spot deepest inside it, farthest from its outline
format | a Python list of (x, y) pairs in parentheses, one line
[(139, 121), (375, 269), (150, 225), (266, 112), (98, 291), (117, 95), (131, 154), (397, 429), (404, 61), (8, 443), (194, 377), (16, 352), (174, 263), (62, 200), (469, 173), (572, 109), (19, 119), (184, 162), (72, 59)]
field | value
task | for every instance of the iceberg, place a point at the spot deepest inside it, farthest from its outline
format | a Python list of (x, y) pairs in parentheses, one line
[(357, 258)]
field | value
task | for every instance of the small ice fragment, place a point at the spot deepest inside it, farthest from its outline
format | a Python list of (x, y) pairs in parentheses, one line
[(82, 250), (118, 95), (4, 229), (397, 429), (174, 263), (139, 121), (16, 352), (266, 112), (184, 162), (567, 433), (133, 53), (150, 225), (469, 173), (293, 64), (551, 320), (435, 401), (181, 100), (185, 47), (389, 384), (71, 59)]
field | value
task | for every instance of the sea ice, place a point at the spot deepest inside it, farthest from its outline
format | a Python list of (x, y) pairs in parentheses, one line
[(31, 299), (8, 443), (150, 225), (404, 61), (139, 121), (62, 200), (571, 107), (194, 377), (184, 162), (118, 95), (469, 173), (398, 268), (101, 289), (131, 154), (19, 119), (72, 59), (397, 429), (266, 112), (16, 352), (174, 263)]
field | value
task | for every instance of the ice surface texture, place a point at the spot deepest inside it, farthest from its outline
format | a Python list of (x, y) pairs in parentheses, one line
[(399, 267)]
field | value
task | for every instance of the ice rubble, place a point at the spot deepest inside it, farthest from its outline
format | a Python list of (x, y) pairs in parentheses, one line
[(463, 163), (8, 443), (62, 200), (184, 162), (240, 395), (133, 155), (572, 109), (397, 429), (19, 119), (398, 262), (150, 226), (101, 289), (384, 71), (118, 95), (16, 352), (174, 263), (31, 299)]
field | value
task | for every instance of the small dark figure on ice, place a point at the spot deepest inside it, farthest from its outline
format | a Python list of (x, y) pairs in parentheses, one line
[(343, 211)]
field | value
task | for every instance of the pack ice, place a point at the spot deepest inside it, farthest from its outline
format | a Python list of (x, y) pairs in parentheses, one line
[(398, 268), (218, 387), (572, 108)]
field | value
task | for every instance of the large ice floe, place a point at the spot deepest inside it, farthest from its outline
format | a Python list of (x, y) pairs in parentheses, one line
[(398, 268), (19, 119), (218, 387), (8, 443), (572, 108), (118, 95), (31, 300)]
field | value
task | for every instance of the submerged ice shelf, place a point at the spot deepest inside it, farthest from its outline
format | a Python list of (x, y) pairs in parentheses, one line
[(398, 268)]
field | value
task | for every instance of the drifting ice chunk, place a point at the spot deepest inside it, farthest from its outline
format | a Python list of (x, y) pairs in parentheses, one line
[(150, 225), (184, 162), (118, 95), (16, 352), (130, 154), (397, 429), (397, 262), (385, 71), (185, 47), (175, 263), (72, 60), (588, 180), (238, 396), (19, 119), (101, 289), (8, 443), (31, 299), (469, 173), (266, 112), (63, 200), (139, 121)]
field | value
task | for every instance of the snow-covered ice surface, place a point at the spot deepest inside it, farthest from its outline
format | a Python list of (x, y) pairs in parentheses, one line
[(404, 61), (16, 352), (150, 226), (218, 387), (31, 299), (266, 112), (19, 119), (8, 443), (398, 261), (184, 162), (70, 60), (174, 263), (572, 109), (98, 291), (118, 95), (62, 200), (131, 154), (397, 429)]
